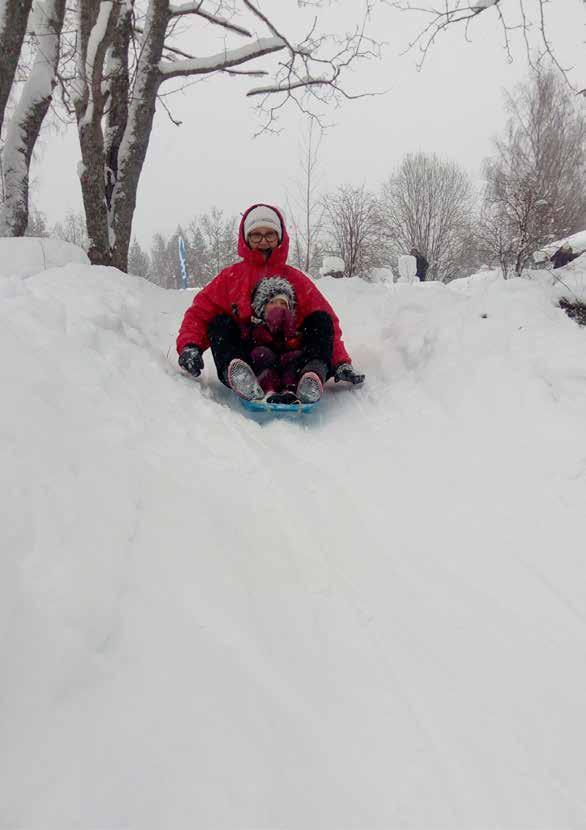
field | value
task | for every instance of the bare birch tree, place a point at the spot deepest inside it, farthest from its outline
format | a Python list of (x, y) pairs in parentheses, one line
[(306, 210), (72, 229), (427, 204), (220, 238), (352, 222), (25, 123), (535, 181)]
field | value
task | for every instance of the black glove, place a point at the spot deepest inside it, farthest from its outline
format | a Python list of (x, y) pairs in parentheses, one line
[(191, 360), (346, 372)]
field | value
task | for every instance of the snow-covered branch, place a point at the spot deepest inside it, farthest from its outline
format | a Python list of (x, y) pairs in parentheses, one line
[(221, 61), (96, 51), (197, 8), (289, 87)]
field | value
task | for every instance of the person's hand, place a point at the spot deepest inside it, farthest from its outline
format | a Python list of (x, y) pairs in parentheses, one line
[(346, 372), (191, 360), (279, 319)]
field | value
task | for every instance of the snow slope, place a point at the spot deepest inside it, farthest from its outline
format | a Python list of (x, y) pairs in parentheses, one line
[(370, 618)]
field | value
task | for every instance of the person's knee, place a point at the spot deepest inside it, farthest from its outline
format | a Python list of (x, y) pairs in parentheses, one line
[(220, 324), (318, 321), (263, 357)]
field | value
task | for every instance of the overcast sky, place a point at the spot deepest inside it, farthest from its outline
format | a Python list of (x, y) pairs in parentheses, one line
[(453, 107)]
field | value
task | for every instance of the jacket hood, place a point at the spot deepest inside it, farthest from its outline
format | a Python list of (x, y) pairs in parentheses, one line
[(279, 254)]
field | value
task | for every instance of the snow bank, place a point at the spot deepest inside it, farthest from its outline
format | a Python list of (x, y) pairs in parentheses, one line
[(29, 255), (382, 276), (481, 279), (576, 240), (369, 618)]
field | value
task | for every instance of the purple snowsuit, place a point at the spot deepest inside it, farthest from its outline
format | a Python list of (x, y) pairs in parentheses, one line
[(276, 355)]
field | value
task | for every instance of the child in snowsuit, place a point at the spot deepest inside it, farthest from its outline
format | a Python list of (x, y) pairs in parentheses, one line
[(276, 353)]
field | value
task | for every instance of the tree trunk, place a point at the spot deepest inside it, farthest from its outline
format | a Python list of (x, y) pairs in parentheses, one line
[(118, 96), (26, 121), (97, 26), (137, 134), (12, 32)]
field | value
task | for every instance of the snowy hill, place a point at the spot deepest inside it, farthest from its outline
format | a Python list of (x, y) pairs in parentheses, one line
[(576, 240), (374, 617)]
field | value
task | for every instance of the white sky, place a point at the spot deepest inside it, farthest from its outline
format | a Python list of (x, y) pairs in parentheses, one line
[(452, 107)]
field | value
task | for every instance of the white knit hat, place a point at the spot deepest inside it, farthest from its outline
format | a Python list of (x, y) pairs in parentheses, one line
[(262, 216)]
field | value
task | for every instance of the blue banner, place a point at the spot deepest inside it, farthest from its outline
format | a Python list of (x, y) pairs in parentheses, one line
[(183, 262)]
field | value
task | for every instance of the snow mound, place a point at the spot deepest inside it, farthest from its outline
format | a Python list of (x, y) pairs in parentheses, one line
[(29, 255), (576, 240), (481, 279), (372, 617), (383, 276)]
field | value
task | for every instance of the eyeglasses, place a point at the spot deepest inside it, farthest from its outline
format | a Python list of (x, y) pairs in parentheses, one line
[(256, 237)]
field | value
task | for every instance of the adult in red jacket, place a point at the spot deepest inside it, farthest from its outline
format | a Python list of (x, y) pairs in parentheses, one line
[(221, 313)]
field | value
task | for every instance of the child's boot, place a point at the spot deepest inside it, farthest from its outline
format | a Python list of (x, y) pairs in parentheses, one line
[(242, 380)]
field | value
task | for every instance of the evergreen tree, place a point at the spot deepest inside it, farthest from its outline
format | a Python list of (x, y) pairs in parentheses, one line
[(138, 260)]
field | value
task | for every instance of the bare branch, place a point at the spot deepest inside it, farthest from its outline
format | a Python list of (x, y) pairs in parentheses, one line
[(455, 12), (272, 28), (168, 111), (196, 8), (171, 49)]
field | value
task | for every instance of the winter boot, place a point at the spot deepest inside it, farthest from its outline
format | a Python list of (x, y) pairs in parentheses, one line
[(310, 388), (311, 384), (242, 380)]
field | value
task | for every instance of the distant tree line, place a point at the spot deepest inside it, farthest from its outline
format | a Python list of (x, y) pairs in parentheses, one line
[(210, 243), (532, 193)]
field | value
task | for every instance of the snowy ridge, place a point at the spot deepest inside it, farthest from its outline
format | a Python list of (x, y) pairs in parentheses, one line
[(371, 618)]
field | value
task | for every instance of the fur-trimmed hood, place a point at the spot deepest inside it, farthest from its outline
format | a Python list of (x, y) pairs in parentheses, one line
[(266, 290)]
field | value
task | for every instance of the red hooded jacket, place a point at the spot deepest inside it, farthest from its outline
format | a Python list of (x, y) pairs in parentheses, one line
[(230, 292)]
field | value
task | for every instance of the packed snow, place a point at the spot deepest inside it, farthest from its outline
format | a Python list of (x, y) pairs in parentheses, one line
[(372, 616), (32, 254)]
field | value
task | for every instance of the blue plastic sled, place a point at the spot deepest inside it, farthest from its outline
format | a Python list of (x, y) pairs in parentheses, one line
[(279, 408)]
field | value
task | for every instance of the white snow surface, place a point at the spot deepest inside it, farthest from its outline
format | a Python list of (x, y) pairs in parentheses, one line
[(29, 255), (370, 617), (381, 275)]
